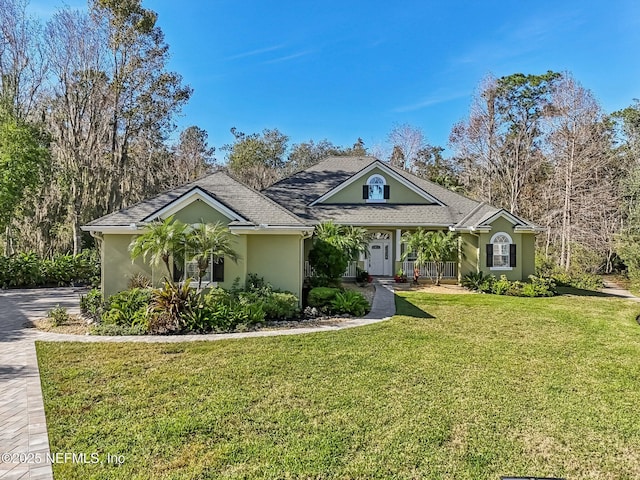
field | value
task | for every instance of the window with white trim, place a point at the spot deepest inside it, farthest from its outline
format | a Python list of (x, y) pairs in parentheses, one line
[(214, 272), (501, 252), (376, 189)]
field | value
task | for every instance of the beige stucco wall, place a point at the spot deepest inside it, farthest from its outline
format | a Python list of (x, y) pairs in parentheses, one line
[(398, 193), (117, 267), (528, 254), (277, 259), (468, 258), (525, 251), (197, 211)]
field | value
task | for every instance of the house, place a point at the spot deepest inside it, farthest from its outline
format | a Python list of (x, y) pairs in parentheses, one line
[(273, 228)]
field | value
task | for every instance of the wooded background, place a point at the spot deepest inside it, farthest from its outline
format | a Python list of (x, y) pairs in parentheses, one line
[(87, 110)]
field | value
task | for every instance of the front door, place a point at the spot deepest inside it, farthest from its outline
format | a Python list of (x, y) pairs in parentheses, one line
[(380, 257)]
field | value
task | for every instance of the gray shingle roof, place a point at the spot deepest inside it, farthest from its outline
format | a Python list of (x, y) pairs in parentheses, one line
[(286, 203), (301, 189), (246, 202)]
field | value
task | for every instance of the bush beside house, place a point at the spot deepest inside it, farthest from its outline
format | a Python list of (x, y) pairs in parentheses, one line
[(178, 308)]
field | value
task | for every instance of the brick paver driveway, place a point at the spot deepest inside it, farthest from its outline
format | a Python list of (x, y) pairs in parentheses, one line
[(23, 430)]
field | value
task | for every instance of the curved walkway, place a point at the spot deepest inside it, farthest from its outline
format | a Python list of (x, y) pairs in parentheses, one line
[(23, 428)]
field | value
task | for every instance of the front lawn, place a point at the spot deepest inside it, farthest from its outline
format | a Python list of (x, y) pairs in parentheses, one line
[(454, 387)]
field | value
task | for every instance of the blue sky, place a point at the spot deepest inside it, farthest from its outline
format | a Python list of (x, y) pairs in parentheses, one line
[(346, 69)]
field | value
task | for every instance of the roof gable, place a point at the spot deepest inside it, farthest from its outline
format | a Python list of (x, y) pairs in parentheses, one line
[(368, 170), (195, 194)]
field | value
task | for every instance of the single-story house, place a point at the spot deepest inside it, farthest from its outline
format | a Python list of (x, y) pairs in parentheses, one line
[(273, 228)]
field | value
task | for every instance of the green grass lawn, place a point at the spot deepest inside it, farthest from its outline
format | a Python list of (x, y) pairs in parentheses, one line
[(454, 387)]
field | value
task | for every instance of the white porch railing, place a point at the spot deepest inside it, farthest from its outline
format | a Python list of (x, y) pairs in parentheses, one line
[(429, 269), (349, 273)]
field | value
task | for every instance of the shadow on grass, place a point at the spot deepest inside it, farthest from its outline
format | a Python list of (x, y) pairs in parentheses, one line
[(579, 292), (408, 309)]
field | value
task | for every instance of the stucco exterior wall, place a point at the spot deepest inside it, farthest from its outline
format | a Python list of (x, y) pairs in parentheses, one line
[(117, 267), (197, 211), (468, 255), (528, 254), (277, 258), (525, 251), (398, 193)]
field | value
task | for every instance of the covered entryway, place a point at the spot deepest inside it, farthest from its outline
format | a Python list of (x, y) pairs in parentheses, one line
[(380, 260)]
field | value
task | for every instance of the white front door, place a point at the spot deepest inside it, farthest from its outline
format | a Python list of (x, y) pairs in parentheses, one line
[(380, 257)]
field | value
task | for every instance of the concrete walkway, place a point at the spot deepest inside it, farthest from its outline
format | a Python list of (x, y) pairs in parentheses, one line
[(611, 288), (23, 428)]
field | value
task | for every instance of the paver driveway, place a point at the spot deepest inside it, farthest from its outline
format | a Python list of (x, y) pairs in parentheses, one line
[(23, 430)]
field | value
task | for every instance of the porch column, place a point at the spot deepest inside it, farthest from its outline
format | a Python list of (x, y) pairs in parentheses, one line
[(398, 243)]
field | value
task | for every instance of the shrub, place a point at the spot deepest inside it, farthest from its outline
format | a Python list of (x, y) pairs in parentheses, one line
[(91, 304), (501, 286), (280, 306), (139, 280), (362, 276), (27, 269), (58, 316), (350, 302), (328, 263), (321, 297), (169, 304), (478, 281), (584, 281), (220, 311), (128, 308), (535, 287), (539, 287)]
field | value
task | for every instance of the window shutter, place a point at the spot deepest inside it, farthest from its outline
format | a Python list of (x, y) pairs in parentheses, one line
[(512, 255), (386, 192), (218, 270), (365, 192), (489, 254)]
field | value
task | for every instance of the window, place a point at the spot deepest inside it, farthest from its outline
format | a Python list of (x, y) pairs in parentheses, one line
[(214, 273), (501, 252), (411, 256), (376, 189)]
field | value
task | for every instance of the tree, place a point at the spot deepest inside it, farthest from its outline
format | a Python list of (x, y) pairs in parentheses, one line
[(334, 246), (23, 65), (628, 239), (144, 96), (161, 241), (500, 143), (23, 158), (304, 155), (407, 141), (583, 184), (79, 98), (431, 246), (431, 165), (257, 159), (192, 157), (207, 242)]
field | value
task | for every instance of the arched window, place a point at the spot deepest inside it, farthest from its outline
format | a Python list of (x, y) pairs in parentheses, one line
[(501, 252), (376, 189)]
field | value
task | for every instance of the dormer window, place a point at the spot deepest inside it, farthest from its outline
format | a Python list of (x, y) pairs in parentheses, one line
[(376, 190)]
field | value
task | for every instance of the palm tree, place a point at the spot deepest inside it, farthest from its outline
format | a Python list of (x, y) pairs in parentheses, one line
[(206, 242), (437, 247), (352, 241), (160, 241), (334, 247), (443, 248)]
